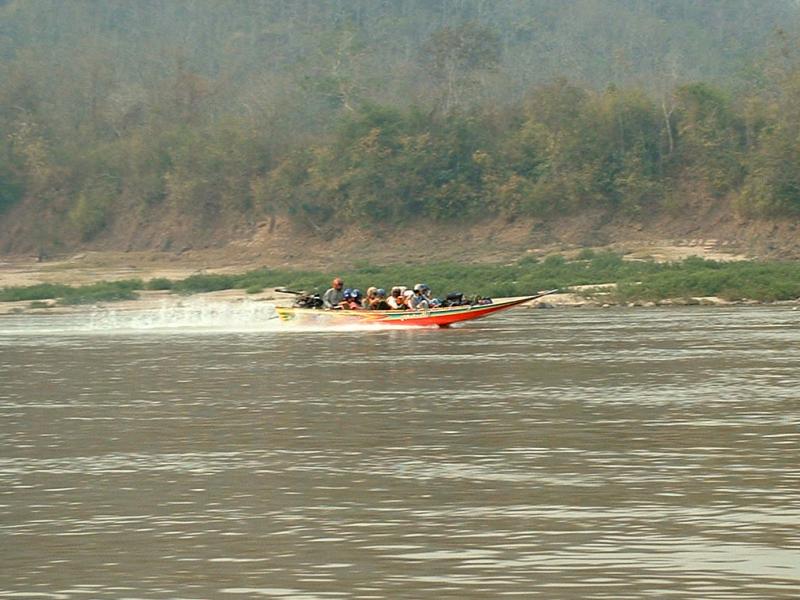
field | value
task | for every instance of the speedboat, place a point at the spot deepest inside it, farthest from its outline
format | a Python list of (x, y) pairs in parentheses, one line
[(438, 316)]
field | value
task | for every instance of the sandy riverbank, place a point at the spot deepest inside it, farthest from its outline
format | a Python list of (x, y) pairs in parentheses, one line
[(595, 296), (92, 267)]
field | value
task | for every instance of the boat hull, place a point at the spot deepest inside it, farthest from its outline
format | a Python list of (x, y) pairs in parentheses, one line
[(439, 317)]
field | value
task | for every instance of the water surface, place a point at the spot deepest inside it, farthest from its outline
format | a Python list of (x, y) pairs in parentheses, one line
[(214, 453)]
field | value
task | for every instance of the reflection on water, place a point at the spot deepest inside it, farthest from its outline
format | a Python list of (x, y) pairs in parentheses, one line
[(550, 454)]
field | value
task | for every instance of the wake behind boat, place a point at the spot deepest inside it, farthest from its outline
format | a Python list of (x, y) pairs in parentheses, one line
[(436, 316)]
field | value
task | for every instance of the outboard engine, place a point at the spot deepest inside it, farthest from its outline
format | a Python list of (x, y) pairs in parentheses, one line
[(453, 299), (308, 301)]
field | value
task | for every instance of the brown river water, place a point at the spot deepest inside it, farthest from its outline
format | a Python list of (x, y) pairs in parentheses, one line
[(211, 452)]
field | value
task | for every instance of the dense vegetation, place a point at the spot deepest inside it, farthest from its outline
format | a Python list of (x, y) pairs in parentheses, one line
[(636, 280), (353, 110)]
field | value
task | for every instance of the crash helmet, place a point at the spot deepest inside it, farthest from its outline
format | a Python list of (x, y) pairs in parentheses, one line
[(355, 294), (421, 287), (380, 293), (348, 293)]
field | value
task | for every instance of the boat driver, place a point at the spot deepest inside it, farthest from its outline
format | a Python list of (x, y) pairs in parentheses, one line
[(334, 296)]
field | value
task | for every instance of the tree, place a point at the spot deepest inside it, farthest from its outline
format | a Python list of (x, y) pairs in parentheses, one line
[(710, 136), (455, 56)]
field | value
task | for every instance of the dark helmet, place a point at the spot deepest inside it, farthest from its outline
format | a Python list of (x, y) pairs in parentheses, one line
[(348, 293), (381, 293), (356, 294)]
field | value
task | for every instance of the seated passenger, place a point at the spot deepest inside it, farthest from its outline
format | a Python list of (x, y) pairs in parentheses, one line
[(420, 300), (370, 296), (426, 291), (396, 300), (407, 295), (379, 301), (355, 300), (346, 296)]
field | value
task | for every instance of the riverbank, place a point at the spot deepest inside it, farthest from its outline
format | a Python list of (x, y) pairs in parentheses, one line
[(586, 279), (160, 300)]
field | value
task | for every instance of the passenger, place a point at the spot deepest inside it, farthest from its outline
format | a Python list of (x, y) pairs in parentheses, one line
[(396, 300), (334, 296), (420, 300), (347, 295), (355, 300), (370, 296), (426, 291), (432, 302), (407, 295), (379, 302)]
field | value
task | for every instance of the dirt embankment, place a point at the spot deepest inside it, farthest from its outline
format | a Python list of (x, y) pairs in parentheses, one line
[(700, 225), (485, 244), (159, 250)]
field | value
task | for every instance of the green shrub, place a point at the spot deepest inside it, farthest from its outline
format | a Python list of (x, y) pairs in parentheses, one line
[(636, 280), (91, 212), (42, 291), (104, 291), (205, 283), (65, 294), (159, 283)]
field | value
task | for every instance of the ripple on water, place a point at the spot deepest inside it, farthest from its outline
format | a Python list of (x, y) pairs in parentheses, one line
[(550, 454)]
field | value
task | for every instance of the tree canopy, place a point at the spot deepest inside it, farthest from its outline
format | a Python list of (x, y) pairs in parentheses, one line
[(362, 110)]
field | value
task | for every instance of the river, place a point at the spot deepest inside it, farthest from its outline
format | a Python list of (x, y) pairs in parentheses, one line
[(210, 452)]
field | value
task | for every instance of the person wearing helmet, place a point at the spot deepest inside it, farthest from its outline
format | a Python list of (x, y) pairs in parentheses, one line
[(334, 296), (407, 295), (347, 295), (396, 300), (421, 298), (370, 296), (379, 301), (354, 301)]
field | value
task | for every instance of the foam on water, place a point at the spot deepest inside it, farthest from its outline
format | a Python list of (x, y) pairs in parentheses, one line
[(192, 316)]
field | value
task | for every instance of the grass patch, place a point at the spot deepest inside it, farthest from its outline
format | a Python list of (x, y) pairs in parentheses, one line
[(694, 277), (204, 283), (103, 291), (42, 291), (158, 284), (636, 280)]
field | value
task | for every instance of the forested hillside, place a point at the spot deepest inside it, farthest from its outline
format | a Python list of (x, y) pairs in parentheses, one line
[(201, 115)]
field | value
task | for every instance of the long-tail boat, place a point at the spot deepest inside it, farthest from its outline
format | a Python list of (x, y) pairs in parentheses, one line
[(439, 316)]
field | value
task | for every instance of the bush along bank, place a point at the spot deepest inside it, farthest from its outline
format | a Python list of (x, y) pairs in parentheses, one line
[(634, 282)]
